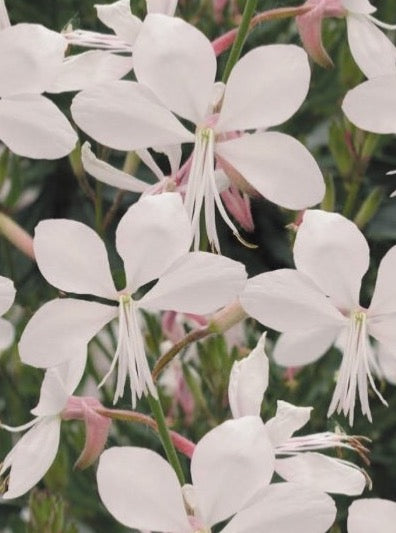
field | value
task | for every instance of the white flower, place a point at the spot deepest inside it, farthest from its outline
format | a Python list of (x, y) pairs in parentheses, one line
[(7, 296), (175, 66), (374, 514), (153, 238), (315, 303), (296, 456), (231, 470)]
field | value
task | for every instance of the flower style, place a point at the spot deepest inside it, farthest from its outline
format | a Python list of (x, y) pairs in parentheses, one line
[(231, 470), (314, 304), (367, 515), (7, 296), (175, 66), (153, 238), (296, 457)]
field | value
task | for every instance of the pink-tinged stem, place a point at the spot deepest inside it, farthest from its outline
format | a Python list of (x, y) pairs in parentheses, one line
[(16, 235)]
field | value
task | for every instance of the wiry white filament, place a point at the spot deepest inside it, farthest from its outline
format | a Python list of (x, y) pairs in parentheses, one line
[(315, 441), (91, 39), (381, 24), (355, 371), (130, 355), (24, 427)]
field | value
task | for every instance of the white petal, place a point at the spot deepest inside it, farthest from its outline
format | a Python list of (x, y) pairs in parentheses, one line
[(106, 173), (386, 361), (152, 234), (384, 296), (167, 7), (321, 472), (178, 63), (265, 88), (30, 55), (73, 258), (126, 116), (7, 294), (294, 181), (119, 18), (333, 252), (287, 420), (374, 514), (32, 456), (88, 69), (198, 283), (7, 334), (32, 126), (298, 348), (248, 382), (229, 466), (60, 331), (287, 300), (372, 105), (373, 52), (359, 6), (140, 489), (286, 508)]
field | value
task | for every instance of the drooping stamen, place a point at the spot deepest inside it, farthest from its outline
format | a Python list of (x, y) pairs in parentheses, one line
[(130, 355), (381, 24), (24, 427), (91, 39), (355, 370)]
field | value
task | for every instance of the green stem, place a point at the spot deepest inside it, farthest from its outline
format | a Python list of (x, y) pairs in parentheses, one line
[(236, 49), (351, 198), (165, 437), (369, 207)]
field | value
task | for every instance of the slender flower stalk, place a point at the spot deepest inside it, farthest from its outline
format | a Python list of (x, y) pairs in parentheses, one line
[(16, 235)]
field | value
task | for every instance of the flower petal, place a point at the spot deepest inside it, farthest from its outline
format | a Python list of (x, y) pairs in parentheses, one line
[(374, 514), (384, 296), (73, 258), (106, 173), (332, 251), (198, 283), (298, 348), (119, 18), (61, 329), (229, 466), (88, 69), (32, 456), (287, 300), (7, 294), (178, 63), (32, 126), (294, 182), (140, 489), (359, 6), (167, 7), (286, 508), (248, 382), (371, 106), (287, 420), (152, 234), (30, 56), (7, 334), (126, 116), (321, 472), (265, 88)]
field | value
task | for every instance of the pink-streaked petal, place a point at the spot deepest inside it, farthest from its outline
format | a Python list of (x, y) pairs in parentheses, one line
[(287, 420), (287, 300), (374, 514), (126, 116), (384, 296), (167, 7), (286, 508), (97, 429), (7, 334), (332, 251), (60, 331), (88, 69), (7, 294), (73, 258), (151, 236), (198, 283), (178, 63), (322, 473), (229, 466), (295, 182), (140, 489), (119, 18), (298, 348), (32, 456), (248, 382), (108, 174), (373, 52), (32, 126), (310, 29), (30, 56), (265, 88), (371, 106)]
